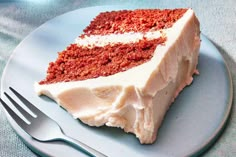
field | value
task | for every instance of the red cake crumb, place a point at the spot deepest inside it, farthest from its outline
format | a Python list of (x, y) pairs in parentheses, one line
[(80, 63), (140, 20)]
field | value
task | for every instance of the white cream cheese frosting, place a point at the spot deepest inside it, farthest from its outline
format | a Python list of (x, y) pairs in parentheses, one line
[(135, 100)]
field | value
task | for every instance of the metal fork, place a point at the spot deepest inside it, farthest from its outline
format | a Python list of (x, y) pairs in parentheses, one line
[(39, 121)]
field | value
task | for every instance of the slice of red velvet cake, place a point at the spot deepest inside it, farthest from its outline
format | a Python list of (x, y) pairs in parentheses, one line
[(126, 69)]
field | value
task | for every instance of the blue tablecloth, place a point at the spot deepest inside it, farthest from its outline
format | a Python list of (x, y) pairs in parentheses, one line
[(20, 17)]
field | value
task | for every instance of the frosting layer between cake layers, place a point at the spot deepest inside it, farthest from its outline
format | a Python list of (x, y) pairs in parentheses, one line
[(137, 99)]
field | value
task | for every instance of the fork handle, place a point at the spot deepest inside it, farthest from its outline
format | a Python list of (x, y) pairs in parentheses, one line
[(85, 148)]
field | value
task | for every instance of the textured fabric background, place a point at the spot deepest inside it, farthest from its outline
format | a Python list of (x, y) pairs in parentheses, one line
[(20, 17)]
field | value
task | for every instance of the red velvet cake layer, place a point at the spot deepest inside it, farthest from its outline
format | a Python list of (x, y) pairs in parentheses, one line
[(141, 20), (80, 63)]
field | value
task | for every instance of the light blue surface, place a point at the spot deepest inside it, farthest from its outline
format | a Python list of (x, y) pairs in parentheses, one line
[(192, 122)]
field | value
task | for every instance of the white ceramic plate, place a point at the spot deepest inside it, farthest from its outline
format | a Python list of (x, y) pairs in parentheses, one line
[(190, 126)]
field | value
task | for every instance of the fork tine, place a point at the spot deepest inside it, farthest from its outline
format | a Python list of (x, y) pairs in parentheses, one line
[(22, 111), (35, 110), (17, 119)]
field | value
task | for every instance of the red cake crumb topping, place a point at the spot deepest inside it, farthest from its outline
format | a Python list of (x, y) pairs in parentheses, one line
[(140, 20), (80, 63)]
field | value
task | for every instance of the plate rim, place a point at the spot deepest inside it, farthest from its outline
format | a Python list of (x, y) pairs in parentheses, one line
[(213, 138)]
